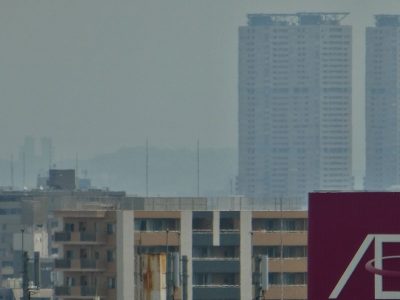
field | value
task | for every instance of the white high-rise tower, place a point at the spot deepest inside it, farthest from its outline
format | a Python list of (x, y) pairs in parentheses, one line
[(383, 103), (295, 93)]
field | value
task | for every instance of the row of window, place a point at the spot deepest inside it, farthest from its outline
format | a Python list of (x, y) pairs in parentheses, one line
[(204, 224), (287, 278), (280, 224), (85, 254), (84, 281), (10, 211), (278, 251)]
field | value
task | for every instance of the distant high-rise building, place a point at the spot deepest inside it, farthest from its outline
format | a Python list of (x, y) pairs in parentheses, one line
[(27, 158), (46, 152), (383, 103), (295, 93)]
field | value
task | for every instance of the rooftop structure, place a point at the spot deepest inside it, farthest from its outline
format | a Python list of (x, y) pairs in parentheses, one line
[(387, 20), (314, 18)]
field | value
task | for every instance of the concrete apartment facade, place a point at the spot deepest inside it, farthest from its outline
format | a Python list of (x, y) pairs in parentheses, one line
[(382, 103), (295, 103), (31, 211), (106, 253)]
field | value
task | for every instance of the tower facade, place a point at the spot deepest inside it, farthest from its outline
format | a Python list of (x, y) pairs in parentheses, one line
[(383, 103), (295, 95)]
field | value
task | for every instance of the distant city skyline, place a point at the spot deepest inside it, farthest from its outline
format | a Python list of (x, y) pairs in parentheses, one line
[(96, 76)]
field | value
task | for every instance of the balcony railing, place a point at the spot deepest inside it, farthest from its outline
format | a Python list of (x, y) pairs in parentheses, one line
[(88, 263), (62, 291), (88, 236), (79, 237), (62, 263), (79, 264), (62, 236), (88, 291), (78, 291)]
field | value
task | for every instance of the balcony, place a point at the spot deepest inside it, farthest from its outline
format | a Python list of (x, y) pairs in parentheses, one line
[(74, 292), (216, 266), (62, 236), (216, 292), (62, 291), (79, 238), (157, 238), (287, 238), (62, 263), (79, 265), (288, 292)]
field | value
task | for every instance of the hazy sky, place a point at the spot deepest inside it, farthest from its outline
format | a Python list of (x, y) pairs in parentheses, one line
[(98, 74)]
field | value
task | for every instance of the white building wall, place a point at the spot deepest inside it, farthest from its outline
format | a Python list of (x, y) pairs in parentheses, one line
[(382, 103), (216, 222), (246, 289), (125, 255), (187, 246)]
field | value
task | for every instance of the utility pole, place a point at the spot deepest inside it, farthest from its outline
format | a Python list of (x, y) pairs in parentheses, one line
[(12, 172), (23, 169), (76, 171), (24, 267), (50, 155), (147, 168), (281, 248), (198, 168)]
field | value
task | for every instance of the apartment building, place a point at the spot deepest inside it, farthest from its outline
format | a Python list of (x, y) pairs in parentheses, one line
[(295, 94), (31, 211), (382, 103), (115, 254)]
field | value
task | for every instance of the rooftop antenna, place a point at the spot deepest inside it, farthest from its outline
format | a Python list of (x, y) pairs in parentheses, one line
[(12, 171), (76, 169), (147, 167), (198, 168), (50, 155), (23, 169)]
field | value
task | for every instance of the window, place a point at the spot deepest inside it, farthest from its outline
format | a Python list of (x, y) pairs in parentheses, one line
[(70, 281), (226, 224), (82, 226), (83, 253), (110, 228), (69, 227), (7, 263), (110, 255), (157, 224), (69, 254), (83, 280), (288, 278), (111, 283)]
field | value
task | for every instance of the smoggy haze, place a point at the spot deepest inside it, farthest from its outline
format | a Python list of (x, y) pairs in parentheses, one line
[(97, 75)]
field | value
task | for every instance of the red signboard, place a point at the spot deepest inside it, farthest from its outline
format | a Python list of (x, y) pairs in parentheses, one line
[(354, 246)]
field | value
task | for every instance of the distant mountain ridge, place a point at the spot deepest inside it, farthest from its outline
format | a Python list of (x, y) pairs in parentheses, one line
[(172, 172)]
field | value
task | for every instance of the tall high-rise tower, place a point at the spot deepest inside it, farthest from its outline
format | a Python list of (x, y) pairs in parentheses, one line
[(383, 103), (295, 95)]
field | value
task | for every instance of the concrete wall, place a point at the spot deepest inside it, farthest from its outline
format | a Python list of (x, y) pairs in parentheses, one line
[(245, 256), (125, 255)]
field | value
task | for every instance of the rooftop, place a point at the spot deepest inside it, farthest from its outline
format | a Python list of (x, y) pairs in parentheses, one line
[(387, 20), (301, 18)]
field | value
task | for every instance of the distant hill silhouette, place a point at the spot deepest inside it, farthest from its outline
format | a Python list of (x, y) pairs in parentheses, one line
[(172, 172)]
